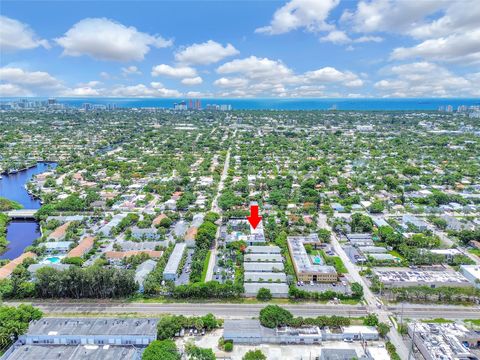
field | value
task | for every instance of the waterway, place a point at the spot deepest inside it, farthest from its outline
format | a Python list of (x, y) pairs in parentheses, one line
[(21, 233)]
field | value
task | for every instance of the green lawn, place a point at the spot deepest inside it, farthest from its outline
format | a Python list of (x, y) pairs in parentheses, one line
[(205, 265), (438, 321), (396, 254), (474, 251), (334, 261), (475, 322)]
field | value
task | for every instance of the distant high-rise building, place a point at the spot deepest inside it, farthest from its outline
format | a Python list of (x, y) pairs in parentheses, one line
[(449, 108)]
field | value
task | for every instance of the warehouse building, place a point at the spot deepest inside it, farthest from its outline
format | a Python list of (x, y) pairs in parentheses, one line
[(90, 331), (253, 333), (79, 352), (472, 273), (444, 341), (402, 277)]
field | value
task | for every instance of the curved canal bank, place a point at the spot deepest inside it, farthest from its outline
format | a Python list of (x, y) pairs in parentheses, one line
[(21, 233)]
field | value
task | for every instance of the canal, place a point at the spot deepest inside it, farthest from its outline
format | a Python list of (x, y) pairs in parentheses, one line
[(21, 233)]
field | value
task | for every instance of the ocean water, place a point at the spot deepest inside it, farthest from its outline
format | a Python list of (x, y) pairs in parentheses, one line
[(284, 104)]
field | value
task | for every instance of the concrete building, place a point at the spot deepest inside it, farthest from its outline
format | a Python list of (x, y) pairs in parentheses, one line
[(171, 269), (6, 270), (79, 352), (402, 277), (309, 268), (277, 289), (105, 229), (56, 246), (259, 249), (360, 239), (83, 247), (340, 354), (450, 341), (59, 233), (253, 333), (142, 272), (91, 331), (472, 273)]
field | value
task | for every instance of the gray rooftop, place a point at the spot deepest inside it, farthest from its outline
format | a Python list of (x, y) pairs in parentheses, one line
[(259, 266), (143, 270), (80, 352), (256, 276), (301, 260), (174, 259), (277, 289), (92, 326), (263, 257), (259, 249)]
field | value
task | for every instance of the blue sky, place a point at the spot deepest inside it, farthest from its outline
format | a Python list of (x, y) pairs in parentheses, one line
[(297, 48)]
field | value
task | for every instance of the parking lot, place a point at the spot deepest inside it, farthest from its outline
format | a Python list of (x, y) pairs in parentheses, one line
[(185, 275)]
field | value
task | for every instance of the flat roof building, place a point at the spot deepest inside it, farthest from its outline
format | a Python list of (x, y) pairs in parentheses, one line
[(170, 271), (443, 341), (142, 272), (276, 289), (305, 268), (472, 273), (79, 352), (408, 277), (262, 249)]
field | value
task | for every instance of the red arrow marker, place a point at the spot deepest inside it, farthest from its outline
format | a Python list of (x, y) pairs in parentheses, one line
[(254, 219)]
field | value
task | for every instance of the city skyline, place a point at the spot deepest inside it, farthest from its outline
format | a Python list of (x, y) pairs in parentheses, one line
[(199, 49)]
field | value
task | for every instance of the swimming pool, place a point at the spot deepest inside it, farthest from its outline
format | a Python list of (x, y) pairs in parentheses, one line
[(52, 260)]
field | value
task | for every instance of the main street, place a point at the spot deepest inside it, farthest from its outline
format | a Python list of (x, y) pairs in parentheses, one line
[(374, 306), (217, 209), (242, 310)]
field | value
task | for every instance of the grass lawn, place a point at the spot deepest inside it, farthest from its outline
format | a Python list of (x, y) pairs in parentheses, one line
[(475, 322), (474, 251), (334, 261), (438, 321), (396, 254), (205, 265)]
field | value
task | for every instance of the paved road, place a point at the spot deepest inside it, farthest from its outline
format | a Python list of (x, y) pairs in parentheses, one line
[(56, 308), (216, 208), (372, 301)]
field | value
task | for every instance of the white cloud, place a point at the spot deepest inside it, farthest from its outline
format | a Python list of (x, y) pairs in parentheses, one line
[(364, 39), (390, 15), (40, 79), (141, 90), (176, 72), (206, 53), (15, 35), (7, 90), (130, 70), (464, 48), (82, 91), (336, 37), (230, 82), (105, 39), (331, 75), (425, 79), (262, 76), (192, 81), (308, 14), (448, 30), (258, 68)]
